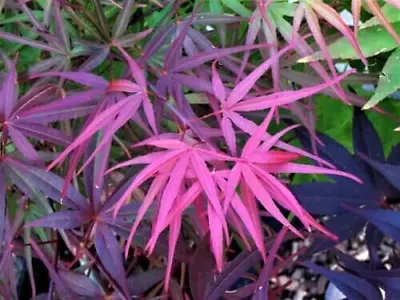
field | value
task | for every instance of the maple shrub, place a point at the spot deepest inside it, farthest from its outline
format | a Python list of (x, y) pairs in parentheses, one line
[(198, 149)]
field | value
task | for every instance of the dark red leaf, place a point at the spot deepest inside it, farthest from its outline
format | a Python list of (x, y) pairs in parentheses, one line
[(110, 255), (201, 270), (66, 219), (81, 285)]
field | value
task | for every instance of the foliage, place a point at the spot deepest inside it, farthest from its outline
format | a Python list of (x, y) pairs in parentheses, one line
[(158, 149)]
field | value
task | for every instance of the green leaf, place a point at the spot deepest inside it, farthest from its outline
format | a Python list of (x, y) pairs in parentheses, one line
[(385, 126), (20, 17), (31, 214), (391, 14), (373, 40), (389, 80), (2, 2), (159, 17), (217, 9), (20, 181), (237, 7), (283, 9), (336, 125), (101, 19), (197, 98)]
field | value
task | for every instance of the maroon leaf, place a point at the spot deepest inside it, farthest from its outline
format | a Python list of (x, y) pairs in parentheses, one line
[(81, 285), (66, 219), (49, 183), (60, 284), (201, 270), (2, 203), (123, 18), (110, 255), (43, 133), (8, 90), (140, 283), (31, 43)]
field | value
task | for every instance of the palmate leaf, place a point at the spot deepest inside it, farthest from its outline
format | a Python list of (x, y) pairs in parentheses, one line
[(347, 47), (24, 118), (263, 102), (3, 210), (263, 282), (178, 157), (174, 164), (334, 19), (123, 19), (187, 176), (172, 78), (98, 216), (302, 48), (112, 118), (389, 80), (254, 174), (56, 42), (237, 268), (200, 270), (60, 284), (341, 48), (110, 254), (379, 15), (81, 285), (139, 283), (68, 47), (235, 102), (390, 14)]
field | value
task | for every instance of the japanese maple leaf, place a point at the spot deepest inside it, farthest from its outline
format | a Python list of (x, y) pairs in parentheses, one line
[(253, 171), (64, 48), (96, 212), (110, 105), (57, 44), (173, 75), (181, 178), (8, 232), (30, 115), (376, 10), (311, 9), (112, 113), (234, 103), (93, 211), (181, 164)]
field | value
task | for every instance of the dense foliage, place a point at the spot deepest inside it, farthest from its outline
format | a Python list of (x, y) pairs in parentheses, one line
[(173, 149)]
